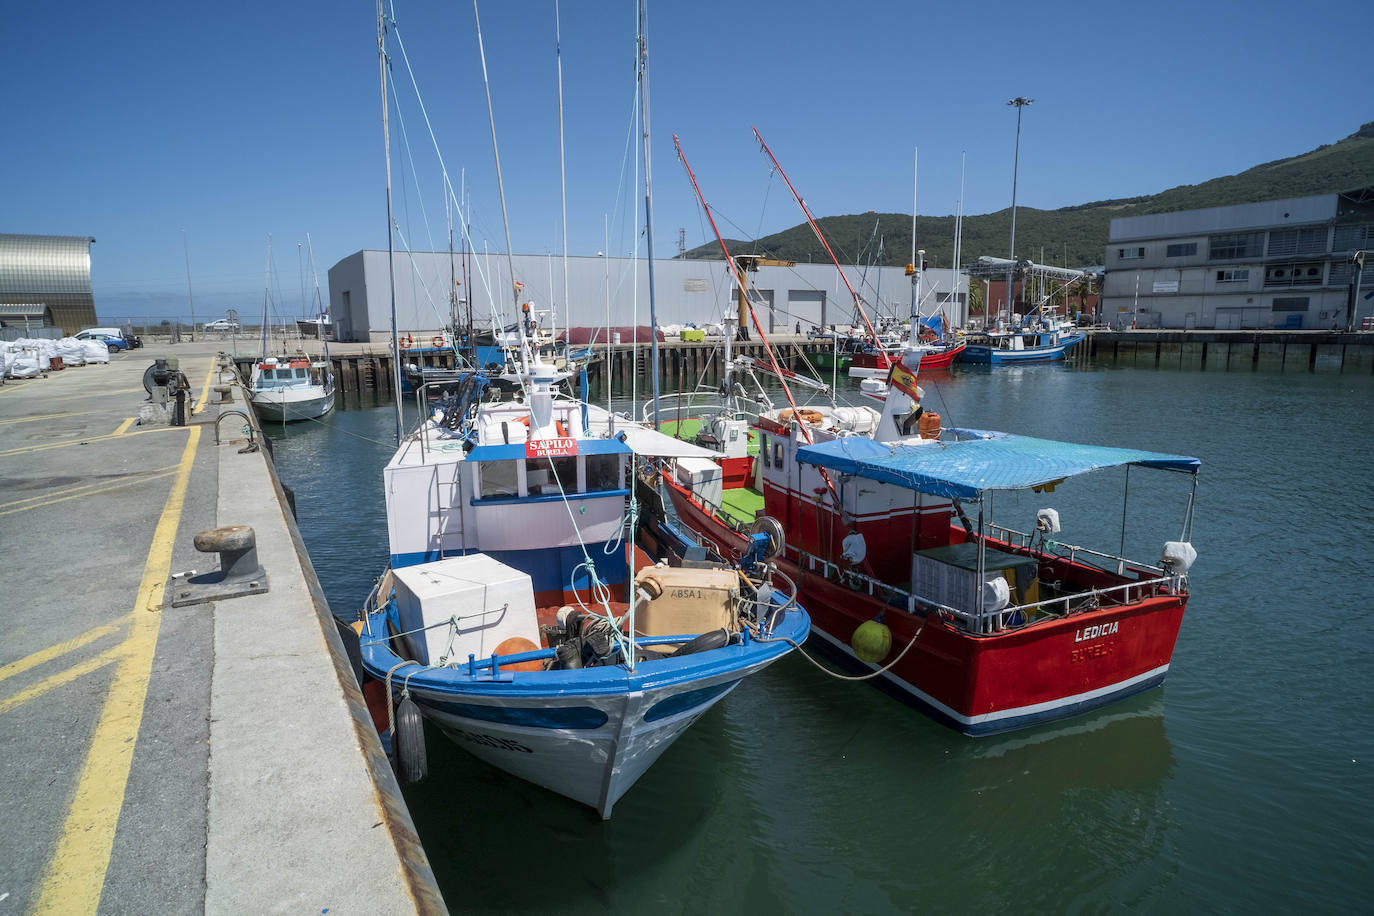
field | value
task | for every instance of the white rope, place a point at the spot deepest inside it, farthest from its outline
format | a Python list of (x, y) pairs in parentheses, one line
[(845, 677)]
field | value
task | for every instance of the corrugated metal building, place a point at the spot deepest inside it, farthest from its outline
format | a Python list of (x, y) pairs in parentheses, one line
[(1279, 263), (47, 270), (687, 291)]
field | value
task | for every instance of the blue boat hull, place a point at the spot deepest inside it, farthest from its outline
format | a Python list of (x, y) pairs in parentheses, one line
[(979, 353)]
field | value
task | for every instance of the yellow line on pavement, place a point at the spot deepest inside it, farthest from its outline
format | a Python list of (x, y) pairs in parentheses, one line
[(85, 440), (48, 416), (52, 682), (98, 393), (205, 389), (75, 876), (81, 489), (124, 427), (114, 486), (62, 648)]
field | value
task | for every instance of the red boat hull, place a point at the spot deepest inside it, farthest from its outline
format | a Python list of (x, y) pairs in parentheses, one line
[(982, 685)]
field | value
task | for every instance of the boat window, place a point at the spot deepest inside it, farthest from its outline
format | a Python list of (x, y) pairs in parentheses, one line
[(777, 454), (763, 450), (543, 476), (498, 479), (603, 472), (300, 373)]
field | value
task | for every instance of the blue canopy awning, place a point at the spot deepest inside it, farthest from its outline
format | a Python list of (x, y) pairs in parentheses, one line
[(979, 462)]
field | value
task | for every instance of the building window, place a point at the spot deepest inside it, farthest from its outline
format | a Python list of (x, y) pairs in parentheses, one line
[(1291, 304), (1238, 275), (1182, 250), (1351, 238), (1130, 254), (1235, 245), (1311, 240)]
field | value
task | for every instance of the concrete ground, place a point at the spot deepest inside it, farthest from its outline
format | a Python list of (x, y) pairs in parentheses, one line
[(210, 758)]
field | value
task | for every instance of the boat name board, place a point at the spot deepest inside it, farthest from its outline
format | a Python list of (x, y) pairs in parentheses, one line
[(551, 448)]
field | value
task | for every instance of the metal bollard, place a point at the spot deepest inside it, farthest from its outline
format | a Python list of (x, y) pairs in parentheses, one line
[(239, 572)]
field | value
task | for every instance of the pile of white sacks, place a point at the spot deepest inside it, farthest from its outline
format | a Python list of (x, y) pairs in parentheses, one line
[(28, 357)]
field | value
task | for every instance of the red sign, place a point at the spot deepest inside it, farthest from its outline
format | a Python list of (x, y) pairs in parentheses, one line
[(551, 448)]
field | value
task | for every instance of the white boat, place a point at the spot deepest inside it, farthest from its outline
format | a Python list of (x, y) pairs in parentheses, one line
[(294, 388), (524, 612)]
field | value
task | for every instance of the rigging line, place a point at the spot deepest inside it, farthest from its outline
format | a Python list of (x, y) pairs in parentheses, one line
[(420, 280), (405, 142)]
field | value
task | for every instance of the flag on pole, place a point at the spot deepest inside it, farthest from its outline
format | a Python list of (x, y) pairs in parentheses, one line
[(519, 286), (904, 381)]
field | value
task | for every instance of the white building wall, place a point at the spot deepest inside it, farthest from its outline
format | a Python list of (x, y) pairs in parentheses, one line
[(687, 291)]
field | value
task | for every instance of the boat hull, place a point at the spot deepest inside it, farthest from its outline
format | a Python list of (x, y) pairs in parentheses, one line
[(587, 734), (272, 407), (982, 685)]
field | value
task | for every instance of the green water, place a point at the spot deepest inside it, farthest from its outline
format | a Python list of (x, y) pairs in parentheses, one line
[(1244, 784)]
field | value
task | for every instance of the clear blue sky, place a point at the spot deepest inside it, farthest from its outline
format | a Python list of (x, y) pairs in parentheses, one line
[(132, 122)]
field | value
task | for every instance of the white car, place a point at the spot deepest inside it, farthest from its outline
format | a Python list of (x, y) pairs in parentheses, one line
[(223, 324)]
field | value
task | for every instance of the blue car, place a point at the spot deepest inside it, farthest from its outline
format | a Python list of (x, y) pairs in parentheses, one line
[(115, 344)]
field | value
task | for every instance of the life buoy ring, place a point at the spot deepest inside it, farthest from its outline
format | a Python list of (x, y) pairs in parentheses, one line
[(437, 340), (805, 414), (410, 342), (562, 427)]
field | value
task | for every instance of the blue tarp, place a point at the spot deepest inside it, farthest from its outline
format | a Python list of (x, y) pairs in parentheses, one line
[(936, 323), (981, 461)]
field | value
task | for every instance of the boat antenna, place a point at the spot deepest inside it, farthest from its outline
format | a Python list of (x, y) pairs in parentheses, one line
[(390, 244), (501, 189), (643, 71), (858, 303)]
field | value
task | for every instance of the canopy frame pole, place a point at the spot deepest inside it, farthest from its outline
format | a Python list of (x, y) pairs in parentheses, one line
[(1188, 514), (982, 565), (1125, 495)]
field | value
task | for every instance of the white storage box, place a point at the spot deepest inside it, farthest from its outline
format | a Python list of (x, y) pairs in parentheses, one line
[(703, 476), (491, 601)]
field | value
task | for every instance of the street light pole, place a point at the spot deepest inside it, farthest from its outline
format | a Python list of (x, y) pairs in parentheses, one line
[(1020, 102)]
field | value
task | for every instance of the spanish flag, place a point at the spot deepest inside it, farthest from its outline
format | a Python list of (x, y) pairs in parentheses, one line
[(519, 286), (904, 381)]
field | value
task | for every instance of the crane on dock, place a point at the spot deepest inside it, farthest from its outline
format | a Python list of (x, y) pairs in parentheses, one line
[(751, 263)]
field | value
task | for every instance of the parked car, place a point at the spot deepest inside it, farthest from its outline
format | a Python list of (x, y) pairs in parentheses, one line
[(223, 324), (115, 342)]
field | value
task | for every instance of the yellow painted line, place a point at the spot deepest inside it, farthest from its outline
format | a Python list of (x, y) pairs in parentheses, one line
[(205, 389), (75, 876), (86, 440), (48, 684), (76, 642), (79, 490), (49, 416), (124, 427), (100, 393), (114, 486)]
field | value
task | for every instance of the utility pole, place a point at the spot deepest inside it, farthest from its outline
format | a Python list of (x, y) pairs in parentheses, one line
[(1019, 102)]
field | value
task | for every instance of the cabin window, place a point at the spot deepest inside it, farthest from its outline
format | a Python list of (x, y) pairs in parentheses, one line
[(763, 450), (777, 454), (603, 473), (499, 479), (543, 476), (300, 373), (283, 373)]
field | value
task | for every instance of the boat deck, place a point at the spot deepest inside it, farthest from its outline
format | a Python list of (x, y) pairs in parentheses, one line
[(744, 503)]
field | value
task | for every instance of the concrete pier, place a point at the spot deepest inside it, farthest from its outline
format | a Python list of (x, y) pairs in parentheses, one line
[(215, 757)]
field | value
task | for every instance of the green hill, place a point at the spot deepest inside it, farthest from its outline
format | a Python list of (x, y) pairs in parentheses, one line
[(1074, 235)]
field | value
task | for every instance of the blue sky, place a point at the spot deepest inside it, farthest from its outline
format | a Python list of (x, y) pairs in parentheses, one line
[(132, 122)]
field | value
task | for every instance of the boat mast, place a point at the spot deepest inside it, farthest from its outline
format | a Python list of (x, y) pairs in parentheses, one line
[(562, 170), (390, 245), (643, 70), (501, 188), (1019, 102), (266, 286), (913, 334), (858, 303)]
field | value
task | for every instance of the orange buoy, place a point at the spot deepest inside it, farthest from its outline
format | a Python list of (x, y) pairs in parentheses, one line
[(515, 645), (930, 425)]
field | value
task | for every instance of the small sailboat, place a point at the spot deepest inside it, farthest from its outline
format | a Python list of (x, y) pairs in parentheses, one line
[(291, 387)]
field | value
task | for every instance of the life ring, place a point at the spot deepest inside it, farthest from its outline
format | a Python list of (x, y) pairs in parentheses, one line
[(806, 414), (562, 427), (410, 342), (437, 340)]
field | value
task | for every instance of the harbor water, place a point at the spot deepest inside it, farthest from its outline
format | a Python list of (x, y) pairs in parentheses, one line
[(1244, 783)]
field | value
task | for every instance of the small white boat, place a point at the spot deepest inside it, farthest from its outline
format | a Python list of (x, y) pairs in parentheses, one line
[(291, 389)]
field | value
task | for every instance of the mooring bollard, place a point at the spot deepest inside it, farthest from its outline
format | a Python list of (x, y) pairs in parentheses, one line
[(239, 572)]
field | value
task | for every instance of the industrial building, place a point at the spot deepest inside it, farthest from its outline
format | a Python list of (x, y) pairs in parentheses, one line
[(45, 281), (1275, 264), (612, 292)]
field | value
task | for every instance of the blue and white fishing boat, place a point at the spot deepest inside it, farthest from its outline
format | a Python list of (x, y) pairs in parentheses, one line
[(1039, 342), (521, 613)]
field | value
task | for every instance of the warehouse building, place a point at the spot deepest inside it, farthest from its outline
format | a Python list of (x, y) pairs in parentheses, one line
[(45, 281), (1275, 264), (613, 292)]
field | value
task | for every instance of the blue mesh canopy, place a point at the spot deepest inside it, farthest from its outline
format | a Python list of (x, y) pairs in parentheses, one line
[(978, 462)]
